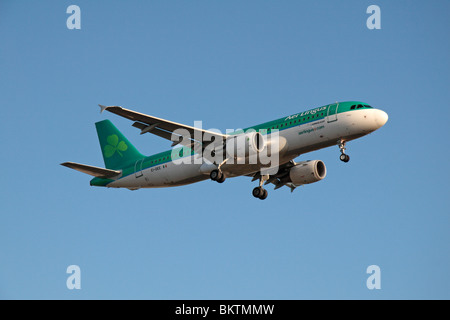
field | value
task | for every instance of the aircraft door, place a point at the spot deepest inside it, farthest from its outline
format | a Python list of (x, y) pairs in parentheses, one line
[(138, 168), (332, 112)]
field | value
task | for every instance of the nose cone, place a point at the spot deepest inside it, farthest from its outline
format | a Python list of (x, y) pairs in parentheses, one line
[(381, 118)]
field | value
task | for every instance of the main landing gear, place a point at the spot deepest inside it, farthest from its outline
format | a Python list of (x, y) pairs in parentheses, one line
[(343, 157), (217, 175), (260, 192)]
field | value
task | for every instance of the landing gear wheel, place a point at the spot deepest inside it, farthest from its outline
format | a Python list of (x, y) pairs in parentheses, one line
[(214, 175), (260, 193), (264, 195), (344, 157), (222, 178), (217, 175), (257, 192)]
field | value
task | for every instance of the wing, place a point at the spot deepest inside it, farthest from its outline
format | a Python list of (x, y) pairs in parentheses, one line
[(281, 178), (176, 132)]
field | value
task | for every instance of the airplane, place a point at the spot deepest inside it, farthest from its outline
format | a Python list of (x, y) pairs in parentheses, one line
[(209, 154)]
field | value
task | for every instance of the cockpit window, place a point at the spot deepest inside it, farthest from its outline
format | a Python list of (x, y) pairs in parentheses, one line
[(367, 106), (353, 107), (359, 106)]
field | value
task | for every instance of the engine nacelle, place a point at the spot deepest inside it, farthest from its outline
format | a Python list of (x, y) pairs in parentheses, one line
[(308, 172), (245, 145)]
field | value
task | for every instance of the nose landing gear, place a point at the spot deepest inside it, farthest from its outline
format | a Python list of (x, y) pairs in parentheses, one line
[(343, 157)]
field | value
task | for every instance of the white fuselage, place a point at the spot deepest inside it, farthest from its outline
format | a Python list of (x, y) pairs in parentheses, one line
[(303, 138)]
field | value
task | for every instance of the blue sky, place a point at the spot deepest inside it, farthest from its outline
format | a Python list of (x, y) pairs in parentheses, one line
[(231, 64)]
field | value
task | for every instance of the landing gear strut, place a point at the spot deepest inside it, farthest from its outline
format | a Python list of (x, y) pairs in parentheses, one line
[(260, 192), (343, 157), (217, 175)]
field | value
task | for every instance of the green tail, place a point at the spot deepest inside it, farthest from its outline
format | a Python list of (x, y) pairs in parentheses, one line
[(117, 151)]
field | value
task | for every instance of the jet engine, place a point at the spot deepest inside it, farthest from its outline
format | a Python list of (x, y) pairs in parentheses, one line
[(307, 172), (245, 145)]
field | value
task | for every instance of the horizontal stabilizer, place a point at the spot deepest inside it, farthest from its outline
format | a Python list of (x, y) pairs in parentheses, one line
[(93, 171)]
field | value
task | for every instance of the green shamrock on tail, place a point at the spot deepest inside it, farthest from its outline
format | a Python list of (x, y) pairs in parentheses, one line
[(114, 146)]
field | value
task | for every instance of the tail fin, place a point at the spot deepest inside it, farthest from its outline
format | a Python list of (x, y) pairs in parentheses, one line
[(117, 151)]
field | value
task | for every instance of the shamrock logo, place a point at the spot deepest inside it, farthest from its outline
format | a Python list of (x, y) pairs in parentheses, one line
[(114, 146)]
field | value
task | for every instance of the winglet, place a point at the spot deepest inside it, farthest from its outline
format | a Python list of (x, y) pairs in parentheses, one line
[(102, 108)]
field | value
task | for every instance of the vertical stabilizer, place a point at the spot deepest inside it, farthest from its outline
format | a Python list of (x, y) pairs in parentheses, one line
[(117, 151)]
